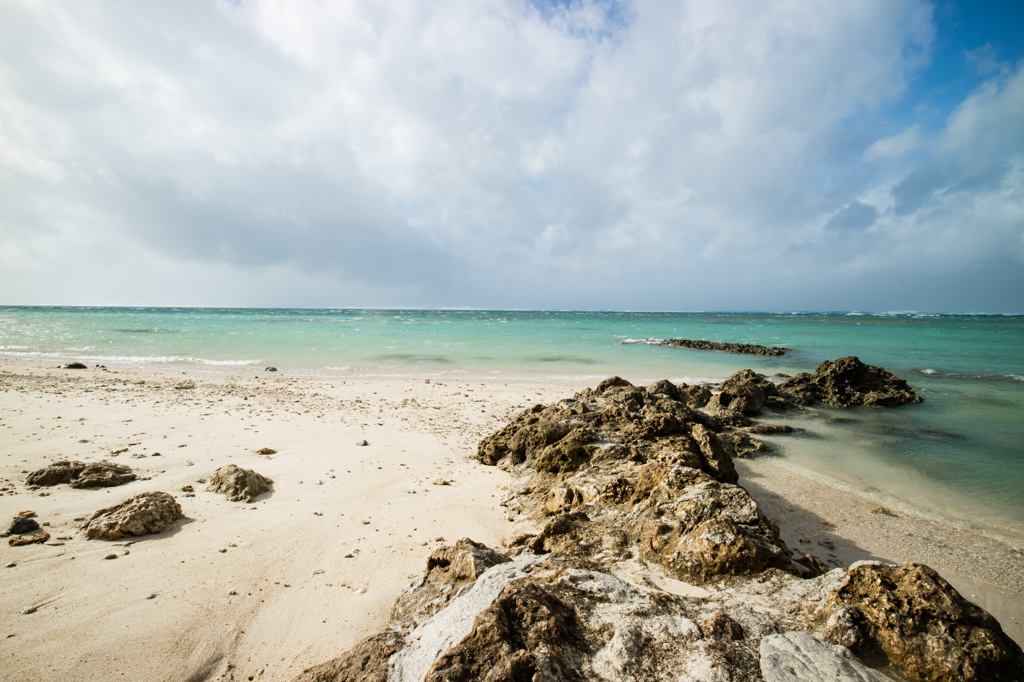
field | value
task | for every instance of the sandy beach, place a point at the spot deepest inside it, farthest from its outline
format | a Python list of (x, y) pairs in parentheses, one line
[(263, 590)]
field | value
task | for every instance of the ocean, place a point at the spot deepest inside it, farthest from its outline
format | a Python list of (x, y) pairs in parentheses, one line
[(958, 457)]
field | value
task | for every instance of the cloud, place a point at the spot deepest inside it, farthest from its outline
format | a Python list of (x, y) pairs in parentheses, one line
[(643, 154)]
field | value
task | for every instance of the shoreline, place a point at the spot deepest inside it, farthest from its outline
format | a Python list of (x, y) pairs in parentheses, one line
[(280, 543)]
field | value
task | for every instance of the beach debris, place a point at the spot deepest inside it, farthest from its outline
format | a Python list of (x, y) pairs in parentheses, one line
[(101, 474), (185, 385), (21, 540), (22, 525), (11, 565), (187, 489), (28, 610), (426, 381), (827, 544), (110, 557), (442, 481), (27, 514), (884, 511), (362, 443), (75, 365), (270, 369), (266, 451), (237, 484), (138, 515), (813, 564), (151, 596)]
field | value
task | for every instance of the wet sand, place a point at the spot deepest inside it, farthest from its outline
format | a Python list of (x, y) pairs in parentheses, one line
[(300, 574)]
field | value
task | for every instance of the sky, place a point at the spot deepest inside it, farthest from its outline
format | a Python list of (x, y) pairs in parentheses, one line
[(748, 155)]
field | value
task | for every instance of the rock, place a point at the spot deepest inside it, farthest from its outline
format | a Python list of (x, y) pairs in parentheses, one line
[(55, 474), (187, 489), (75, 365), (139, 515), (771, 428), (742, 445), (362, 443), (848, 381), (797, 390), (884, 511), (611, 382), (238, 484), (103, 475), (20, 540), (814, 565), (367, 661), (695, 396), (745, 391), (23, 525), (664, 387), (716, 461), (741, 348), (267, 451), (448, 569), (800, 657), (110, 557), (925, 628), (81, 475), (28, 514), (270, 369), (29, 610)]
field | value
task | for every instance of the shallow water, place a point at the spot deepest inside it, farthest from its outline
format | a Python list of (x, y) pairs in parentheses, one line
[(958, 455)]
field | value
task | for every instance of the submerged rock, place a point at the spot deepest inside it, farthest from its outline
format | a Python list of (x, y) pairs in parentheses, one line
[(139, 515), (742, 348), (237, 484), (848, 381), (81, 475)]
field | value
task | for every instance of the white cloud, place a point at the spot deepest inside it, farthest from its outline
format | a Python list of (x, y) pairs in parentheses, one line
[(489, 153)]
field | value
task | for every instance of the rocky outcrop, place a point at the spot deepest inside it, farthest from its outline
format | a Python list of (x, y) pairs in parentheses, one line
[(139, 515), (848, 381), (641, 558), (81, 475), (742, 348), (237, 484), (924, 627)]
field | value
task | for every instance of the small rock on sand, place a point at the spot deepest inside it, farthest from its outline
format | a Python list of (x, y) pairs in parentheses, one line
[(266, 451), (139, 515), (22, 525), (20, 540), (362, 443), (238, 484)]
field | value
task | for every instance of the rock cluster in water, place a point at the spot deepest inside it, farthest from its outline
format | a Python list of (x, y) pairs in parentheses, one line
[(642, 559), (742, 348), (81, 475)]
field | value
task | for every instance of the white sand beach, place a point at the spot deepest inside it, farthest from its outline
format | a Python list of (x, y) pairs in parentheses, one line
[(263, 590)]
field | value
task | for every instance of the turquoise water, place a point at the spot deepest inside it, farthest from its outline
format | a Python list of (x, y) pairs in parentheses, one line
[(958, 455)]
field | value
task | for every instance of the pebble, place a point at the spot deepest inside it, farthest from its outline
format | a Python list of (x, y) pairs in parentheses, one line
[(11, 565), (110, 556), (362, 443), (27, 610), (150, 596)]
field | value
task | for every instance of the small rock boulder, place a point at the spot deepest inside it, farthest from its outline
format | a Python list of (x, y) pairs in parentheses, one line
[(139, 515), (103, 475), (925, 628), (36, 539), (81, 475), (75, 365), (237, 484), (23, 526)]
